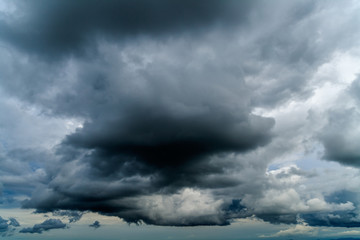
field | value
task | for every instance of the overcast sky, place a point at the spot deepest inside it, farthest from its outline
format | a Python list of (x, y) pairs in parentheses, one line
[(203, 119)]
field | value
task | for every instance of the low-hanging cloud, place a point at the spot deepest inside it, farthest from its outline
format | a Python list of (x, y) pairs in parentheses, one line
[(44, 226)]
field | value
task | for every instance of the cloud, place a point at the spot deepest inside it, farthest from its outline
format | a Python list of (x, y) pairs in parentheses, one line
[(59, 35), (333, 219), (175, 123), (7, 226), (286, 199), (191, 206), (73, 216), (344, 215), (22, 161), (14, 222), (297, 230), (44, 226), (95, 225), (342, 146)]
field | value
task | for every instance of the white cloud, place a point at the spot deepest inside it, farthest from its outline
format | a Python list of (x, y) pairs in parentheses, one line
[(189, 204)]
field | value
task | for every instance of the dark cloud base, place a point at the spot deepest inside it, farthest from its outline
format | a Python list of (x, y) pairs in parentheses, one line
[(44, 226)]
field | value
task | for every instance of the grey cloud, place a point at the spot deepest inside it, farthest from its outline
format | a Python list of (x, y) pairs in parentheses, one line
[(262, 58), (341, 136), (332, 219), (295, 172), (44, 226), (148, 135), (284, 201), (14, 222), (355, 88), (22, 171), (168, 140), (7, 226), (73, 216), (95, 225), (343, 196), (169, 118), (337, 218), (61, 27), (279, 218), (26, 139)]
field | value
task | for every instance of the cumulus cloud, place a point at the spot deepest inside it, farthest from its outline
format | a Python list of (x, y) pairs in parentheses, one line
[(288, 199), (171, 113), (192, 207), (44, 226)]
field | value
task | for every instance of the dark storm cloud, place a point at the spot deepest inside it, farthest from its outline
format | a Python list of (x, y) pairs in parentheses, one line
[(44, 226), (159, 138), (168, 118), (156, 129), (54, 28), (95, 225), (340, 136)]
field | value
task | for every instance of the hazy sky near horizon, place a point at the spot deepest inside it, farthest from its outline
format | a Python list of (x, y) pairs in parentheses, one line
[(201, 119)]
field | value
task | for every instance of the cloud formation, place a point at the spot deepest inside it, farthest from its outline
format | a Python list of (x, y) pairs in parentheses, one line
[(7, 226), (44, 226), (342, 146), (59, 35), (73, 216), (174, 112), (95, 225)]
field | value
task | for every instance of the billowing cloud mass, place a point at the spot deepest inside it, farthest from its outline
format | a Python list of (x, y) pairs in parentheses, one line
[(181, 113), (44, 226)]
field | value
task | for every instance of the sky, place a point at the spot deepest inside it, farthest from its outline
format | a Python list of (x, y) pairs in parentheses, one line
[(179, 119)]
